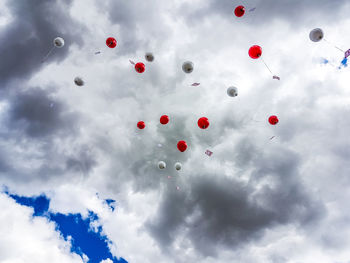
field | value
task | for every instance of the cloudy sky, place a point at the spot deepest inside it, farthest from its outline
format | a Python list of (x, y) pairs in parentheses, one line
[(73, 148)]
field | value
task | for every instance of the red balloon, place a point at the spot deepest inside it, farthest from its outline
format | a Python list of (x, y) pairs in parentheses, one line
[(255, 52), (111, 42), (273, 120), (182, 146), (203, 123), (141, 125), (164, 119), (140, 67), (239, 11)]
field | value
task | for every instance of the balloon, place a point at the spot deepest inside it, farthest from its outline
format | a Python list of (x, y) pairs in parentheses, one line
[(58, 42), (273, 120), (203, 123), (255, 51), (164, 119), (141, 125), (140, 67), (239, 11), (111, 42), (182, 146), (161, 165), (316, 34), (79, 81), (149, 57), (232, 91), (178, 166), (187, 67)]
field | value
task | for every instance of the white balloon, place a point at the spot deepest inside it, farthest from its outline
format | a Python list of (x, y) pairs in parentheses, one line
[(232, 91), (178, 166), (58, 42), (149, 56), (316, 34), (187, 67), (79, 81), (161, 165)]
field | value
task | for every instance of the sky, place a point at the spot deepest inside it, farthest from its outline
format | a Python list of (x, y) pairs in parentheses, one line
[(79, 182)]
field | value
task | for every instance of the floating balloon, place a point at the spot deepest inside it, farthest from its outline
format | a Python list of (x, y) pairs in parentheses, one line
[(239, 11), (182, 146), (111, 42), (141, 125), (273, 120), (162, 165), (79, 81), (178, 166), (232, 91), (149, 57), (255, 52), (58, 42), (164, 119), (316, 34), (140, 67), (203, 123), (187, 67)]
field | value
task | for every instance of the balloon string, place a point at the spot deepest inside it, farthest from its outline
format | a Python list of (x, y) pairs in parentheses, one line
[(334, 45), (48, 54), (266, 66), (99, 52)]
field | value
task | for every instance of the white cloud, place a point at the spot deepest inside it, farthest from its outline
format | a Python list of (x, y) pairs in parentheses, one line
[(24, 238)]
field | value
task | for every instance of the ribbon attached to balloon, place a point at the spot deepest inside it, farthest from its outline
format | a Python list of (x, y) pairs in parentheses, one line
[(131, 62), (97, 52), (195, 84), (252, 9), (325, 40), (276, 77), (209, 153), (347, 53), (343, 63)]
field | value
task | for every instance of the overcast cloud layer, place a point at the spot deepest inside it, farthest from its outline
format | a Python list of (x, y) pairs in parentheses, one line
[(253, 200)]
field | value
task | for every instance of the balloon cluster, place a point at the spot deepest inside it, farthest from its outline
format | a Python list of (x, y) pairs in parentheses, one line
[(254, 52), (202, 122)]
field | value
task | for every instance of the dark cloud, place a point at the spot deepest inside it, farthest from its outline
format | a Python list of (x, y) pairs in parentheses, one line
[(214, 210), (39, 123), (29, 36), (38, 115)]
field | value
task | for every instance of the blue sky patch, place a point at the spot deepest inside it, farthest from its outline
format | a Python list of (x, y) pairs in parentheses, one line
[(85, 239), (111, 203)]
